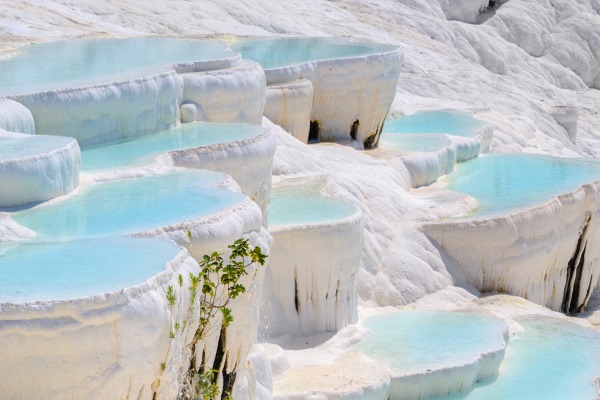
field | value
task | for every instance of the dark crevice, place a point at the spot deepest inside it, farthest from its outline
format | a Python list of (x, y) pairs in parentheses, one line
[(313, 132), (228, 381), (220, 352), (574, 306), (574, 272), (296, 299), (588, 293), (371, 141), (354, 129)]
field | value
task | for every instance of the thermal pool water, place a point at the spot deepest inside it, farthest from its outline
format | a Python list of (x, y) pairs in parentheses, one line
[(451, 122), (73, 63), (303, 204), (130, 205), (507, 182), (143, 149), (40, 271)]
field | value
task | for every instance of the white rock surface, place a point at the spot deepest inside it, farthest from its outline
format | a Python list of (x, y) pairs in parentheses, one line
[(311, 284), (351, 96), (14, 117), (41, 174), (547, 254), (108, 112), (289, 105), (109, 345), (234, 94), (249, 162)]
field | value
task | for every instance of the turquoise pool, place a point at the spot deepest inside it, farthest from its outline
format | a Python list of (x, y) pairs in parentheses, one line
[(507, 182), (415, 341), (302, 204), (78, 62), (451, 122), (414, 142), (551, 360), (282, 52), (30, 145), (34, 271), (130, 205), (143, 149)]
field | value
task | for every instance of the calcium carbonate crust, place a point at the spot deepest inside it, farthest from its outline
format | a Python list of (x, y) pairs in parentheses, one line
[(233, 94), (351, 96), (548, 254), (38, 177), (312, 282)]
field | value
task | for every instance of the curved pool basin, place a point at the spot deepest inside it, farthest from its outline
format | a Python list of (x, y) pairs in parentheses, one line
[(81, 62), (414, 142), (283, 52), (41, 271), (130, 205), (451, 122), (506, 182), (550, 360), (303, 204), (143, 149), (409, 342)]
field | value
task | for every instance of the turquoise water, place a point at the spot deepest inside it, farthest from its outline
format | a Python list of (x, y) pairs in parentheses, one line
[(130, 205), (551, 360), (141, 150), (302, 204), (414, 341), (62, 270), (451, 122), (30, 145), (414, 142), (506, 182), (69, 63), (282, 52)]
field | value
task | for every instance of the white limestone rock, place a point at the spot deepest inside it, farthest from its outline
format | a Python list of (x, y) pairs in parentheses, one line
[(311, 285), (351, 96), (289, 105), (234, 94), (548, 254), (249, 162), (108, 112), (15, 117), (36, 167)]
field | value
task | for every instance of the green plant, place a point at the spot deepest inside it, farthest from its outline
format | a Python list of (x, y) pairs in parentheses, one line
[(211, 291)]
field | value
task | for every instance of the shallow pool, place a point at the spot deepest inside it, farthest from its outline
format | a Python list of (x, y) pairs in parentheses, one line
[(34, 271), (415, 341), (282, 52), (550, 360), (414, 142), (20, 146), (78, 62), (451, 122), (143, 149), (130, 205), (302, 204), (506, 182)]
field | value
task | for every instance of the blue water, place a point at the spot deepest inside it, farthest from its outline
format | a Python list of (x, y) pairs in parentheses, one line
[(414, 142), (30, 145), (71, 63), (142, 150), (302, 204), (282, 52), (551, 360), (414, 341), (451, 122), (507, 182), (130, 205), (63, 270)]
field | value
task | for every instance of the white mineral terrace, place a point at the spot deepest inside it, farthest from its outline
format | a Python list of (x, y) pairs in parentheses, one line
[(372, 149)]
